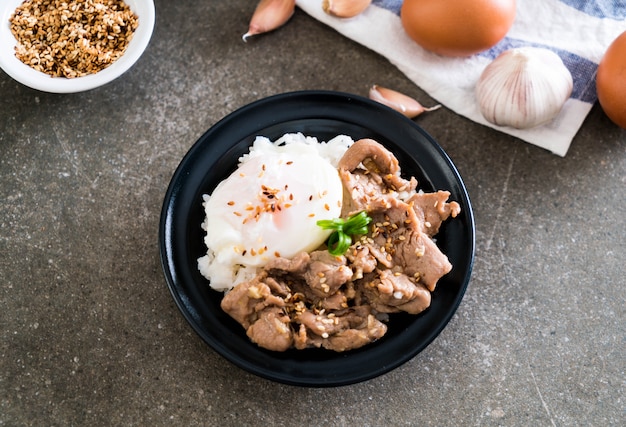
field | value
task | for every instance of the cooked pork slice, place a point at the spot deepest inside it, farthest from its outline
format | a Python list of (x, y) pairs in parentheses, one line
[(390, 292), (421, 258), (327, 273), (297, 264), (432, 209), (370, 174), (321, 324), (245, 300), (372, 155), (324, 273), (337, 301), (278, 288), (366, 192), (350, 339), (397, 234), (341, 330), (302, 291), (238, 304), (271, 330), (361, 260)]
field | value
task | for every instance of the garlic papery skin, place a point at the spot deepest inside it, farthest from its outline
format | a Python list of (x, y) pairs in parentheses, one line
[(398, 101), (345, 8), (523, 88), (269, 15)]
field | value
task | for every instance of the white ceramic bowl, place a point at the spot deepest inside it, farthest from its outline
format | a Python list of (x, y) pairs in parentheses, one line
[(28, 76)]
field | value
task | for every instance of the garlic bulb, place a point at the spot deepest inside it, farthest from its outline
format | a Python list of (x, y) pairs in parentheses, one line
[(269, 15), (523, 88)]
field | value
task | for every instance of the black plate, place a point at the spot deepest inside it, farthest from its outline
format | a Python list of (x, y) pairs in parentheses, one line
[(323, 115)]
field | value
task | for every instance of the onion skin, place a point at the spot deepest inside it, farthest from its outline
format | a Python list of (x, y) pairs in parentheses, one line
[(269, 15), (611, 81), (457, 28), (400, 102)]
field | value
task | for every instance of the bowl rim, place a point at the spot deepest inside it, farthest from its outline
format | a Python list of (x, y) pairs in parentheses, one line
[(168, 222), (38, 80)]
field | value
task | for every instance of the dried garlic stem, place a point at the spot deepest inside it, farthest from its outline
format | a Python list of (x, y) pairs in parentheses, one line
[(269, 15), (399, 102)]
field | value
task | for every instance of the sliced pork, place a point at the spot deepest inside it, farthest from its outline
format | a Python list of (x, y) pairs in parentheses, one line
[(340, 303)]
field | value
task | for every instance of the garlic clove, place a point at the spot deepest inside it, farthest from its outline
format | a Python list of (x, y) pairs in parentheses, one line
[(523, 88), (269, 15), (398, 101), (345, 8)]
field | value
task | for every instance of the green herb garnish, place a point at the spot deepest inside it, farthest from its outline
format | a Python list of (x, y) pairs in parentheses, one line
[(341, 239)]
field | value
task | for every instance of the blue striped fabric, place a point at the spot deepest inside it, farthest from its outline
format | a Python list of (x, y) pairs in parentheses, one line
[(599, 8), (392, 5), (579, 31)]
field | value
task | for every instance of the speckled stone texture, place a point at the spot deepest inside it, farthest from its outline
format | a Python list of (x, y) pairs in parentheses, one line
[(91, 336)]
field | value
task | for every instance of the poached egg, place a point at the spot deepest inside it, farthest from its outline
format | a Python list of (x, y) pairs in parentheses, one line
[(269, 207)]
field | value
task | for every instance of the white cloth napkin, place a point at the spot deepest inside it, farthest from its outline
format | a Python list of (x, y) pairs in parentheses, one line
[(579, 31)]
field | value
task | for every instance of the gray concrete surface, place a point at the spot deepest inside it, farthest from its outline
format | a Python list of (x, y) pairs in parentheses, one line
[(90, 333)]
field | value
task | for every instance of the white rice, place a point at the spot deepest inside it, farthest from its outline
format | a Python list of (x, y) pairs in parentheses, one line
[(332, 150)]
